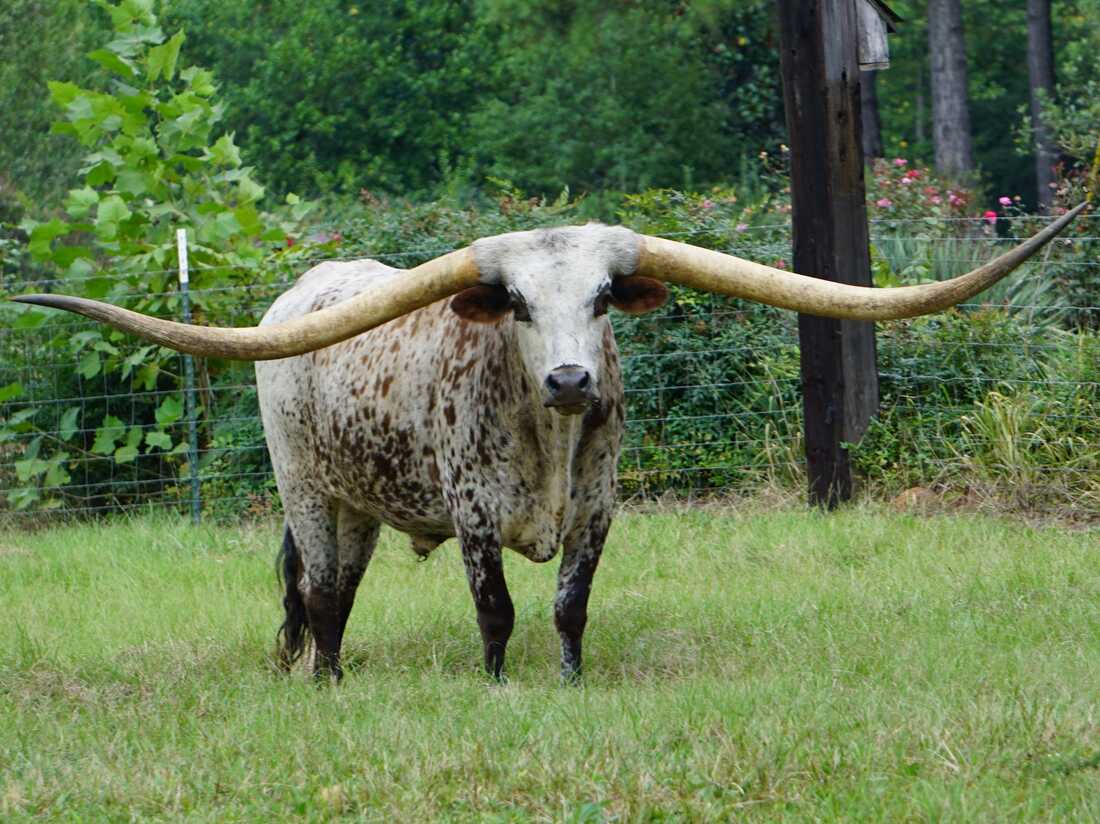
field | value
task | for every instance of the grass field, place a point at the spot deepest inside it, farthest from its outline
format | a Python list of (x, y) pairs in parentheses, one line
[(762, 665)]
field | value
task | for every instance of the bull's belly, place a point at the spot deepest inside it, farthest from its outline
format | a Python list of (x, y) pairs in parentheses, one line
[(533, 527)]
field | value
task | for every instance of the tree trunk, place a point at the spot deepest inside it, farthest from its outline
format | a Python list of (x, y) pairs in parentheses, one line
[(1040, 71), (819, 62), (950, 102), (872, 125), (918, 128)]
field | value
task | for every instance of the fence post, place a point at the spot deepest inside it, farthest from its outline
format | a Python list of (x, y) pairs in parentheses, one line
[(189, 384), (819, 60)]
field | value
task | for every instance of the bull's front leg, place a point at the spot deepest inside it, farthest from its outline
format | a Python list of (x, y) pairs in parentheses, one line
[(580, 558), (481, 554)]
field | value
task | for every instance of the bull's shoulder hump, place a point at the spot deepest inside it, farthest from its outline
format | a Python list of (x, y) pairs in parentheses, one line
[(326, 284)]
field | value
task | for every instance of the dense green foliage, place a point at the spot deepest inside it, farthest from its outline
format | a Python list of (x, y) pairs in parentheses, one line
[(90, 419), (996, 44), (739, 666), (153, 165), (407, 97)]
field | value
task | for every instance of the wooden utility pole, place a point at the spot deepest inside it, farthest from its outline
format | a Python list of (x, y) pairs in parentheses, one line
[(819, 43)]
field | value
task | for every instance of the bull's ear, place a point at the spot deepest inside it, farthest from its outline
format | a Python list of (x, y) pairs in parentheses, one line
[(637, 295), (482, 304)]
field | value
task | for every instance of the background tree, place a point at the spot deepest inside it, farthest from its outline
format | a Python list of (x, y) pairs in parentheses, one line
[(40, 40), (1040, 72), (950, 97)]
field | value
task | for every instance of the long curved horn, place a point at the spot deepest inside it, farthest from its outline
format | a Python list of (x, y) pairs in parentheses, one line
[(427, 283), (727, 275)]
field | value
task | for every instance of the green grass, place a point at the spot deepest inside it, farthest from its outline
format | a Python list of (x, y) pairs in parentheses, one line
[(763, 665)]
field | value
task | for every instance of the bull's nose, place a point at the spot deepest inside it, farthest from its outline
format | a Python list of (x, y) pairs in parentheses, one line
[(569, 388)]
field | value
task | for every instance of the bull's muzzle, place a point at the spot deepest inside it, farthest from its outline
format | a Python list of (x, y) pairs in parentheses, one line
[(570, 390)]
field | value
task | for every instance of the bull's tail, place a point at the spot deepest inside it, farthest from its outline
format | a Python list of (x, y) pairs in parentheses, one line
[(292, 636)]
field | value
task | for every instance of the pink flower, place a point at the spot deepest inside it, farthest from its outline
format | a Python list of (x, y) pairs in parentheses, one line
[(905, 181), (989, 216), (708, 204), (936, 200), (884, 203), (781, 264), (900, 161), (1004, 200), (741, 227)]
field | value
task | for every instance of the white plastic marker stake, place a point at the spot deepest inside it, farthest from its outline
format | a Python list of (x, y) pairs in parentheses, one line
[(189, 383), (181, 248)]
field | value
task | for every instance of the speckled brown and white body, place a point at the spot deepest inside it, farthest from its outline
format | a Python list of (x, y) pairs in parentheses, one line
[(494, 415), (438, 426)]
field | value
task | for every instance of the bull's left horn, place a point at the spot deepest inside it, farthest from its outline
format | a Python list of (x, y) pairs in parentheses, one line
[(716, 272), (389, 299)]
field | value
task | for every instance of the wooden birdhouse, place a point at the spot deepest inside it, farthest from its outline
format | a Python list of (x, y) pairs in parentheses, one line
[(876, 20)]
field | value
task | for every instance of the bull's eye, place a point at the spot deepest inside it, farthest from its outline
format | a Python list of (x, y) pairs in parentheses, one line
[(603, 300), (519, 308)]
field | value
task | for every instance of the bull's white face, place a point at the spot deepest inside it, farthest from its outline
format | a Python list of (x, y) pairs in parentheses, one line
[(558, 285)]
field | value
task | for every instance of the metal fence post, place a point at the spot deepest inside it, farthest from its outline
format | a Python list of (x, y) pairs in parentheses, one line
[(189, 384)]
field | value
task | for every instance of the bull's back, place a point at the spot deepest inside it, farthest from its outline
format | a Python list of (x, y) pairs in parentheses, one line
[(354, 420)]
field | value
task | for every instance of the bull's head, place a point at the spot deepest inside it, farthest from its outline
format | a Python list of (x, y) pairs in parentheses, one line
[(558, 284)]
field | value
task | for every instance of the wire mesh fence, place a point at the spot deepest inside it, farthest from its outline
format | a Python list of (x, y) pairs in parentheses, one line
[(998, 399)]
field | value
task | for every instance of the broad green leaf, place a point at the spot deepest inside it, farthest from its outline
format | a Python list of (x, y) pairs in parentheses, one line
[(30, 468), (134, 359), (56, 475), (113, 63), (30, 319), (146, 376), (23, 498), (80, 201), (43, 235), (224, 152), (169, 411), (200, 81), (89, 365), (162, 59), (113, 208), (249, 190), (160, 440), (99, 174), (125, 454), (62, 94), (12, 390), (108, 435), (132, 181), (68, 425), (249, 219), (21, 417)]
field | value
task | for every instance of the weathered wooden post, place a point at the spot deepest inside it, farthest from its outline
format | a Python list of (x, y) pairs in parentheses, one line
[(820, 60)]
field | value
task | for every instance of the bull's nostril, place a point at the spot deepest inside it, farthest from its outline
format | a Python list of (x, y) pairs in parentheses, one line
[(552, 383), (583, 382)]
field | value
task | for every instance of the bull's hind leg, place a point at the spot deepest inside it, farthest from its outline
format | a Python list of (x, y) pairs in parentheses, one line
[(332, 545), (580, 558), (357, 535)]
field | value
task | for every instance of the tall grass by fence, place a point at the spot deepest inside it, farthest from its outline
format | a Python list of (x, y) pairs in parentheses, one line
[(998, 399)]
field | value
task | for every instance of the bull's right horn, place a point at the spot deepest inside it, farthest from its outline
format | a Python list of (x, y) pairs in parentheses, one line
[(728, 275), (385, 301)]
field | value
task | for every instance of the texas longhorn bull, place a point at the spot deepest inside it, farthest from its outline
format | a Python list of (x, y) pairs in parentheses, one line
[(477, 396)]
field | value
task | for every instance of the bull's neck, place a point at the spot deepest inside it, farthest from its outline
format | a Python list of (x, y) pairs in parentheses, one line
[(556, 435)]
